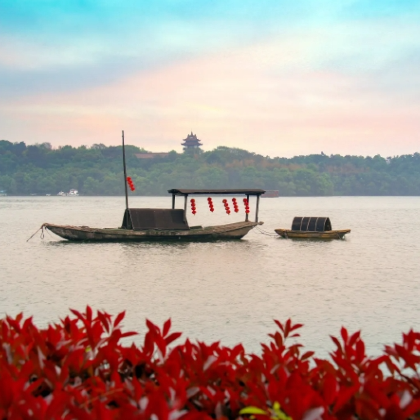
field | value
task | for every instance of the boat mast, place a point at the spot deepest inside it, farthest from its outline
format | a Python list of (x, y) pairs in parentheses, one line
[(125, 172)]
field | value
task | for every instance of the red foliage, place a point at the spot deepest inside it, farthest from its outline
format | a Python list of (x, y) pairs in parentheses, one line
[(78, 369)]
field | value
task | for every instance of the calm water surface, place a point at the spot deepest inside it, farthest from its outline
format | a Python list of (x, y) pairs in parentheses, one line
[(228, 291)]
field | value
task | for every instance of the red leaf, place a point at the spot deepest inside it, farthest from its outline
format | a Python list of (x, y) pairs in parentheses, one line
[(337, 343), (344, 334), (166, 327), (287, 328), (77, 313), (354, 338), (152, 327), (103, 320), (307, 355), (279, 324), (296, 326), (172, 337), (119, 318), (89, 313), (360, 350)]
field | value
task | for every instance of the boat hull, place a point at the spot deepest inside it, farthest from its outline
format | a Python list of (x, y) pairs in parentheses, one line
[(330, 234), (85, 233)]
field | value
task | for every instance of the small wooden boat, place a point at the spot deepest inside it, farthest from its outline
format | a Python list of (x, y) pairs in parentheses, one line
[(151, 224), (312, 228)]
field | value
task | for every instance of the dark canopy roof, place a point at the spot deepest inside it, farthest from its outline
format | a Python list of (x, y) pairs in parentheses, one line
[(212, 192), (311, 224)]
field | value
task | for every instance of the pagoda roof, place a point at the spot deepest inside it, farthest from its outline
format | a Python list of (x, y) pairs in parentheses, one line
[(191, 139), (191, 142)]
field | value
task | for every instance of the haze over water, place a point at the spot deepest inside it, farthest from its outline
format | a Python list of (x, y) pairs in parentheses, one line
[(228, 291)]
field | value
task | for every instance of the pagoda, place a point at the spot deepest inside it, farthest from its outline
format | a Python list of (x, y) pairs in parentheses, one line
[(191, 143)]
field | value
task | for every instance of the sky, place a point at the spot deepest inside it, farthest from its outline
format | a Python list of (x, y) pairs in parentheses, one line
[(275, 77)]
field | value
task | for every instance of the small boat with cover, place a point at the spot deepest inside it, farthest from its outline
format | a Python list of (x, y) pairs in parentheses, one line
[(312, 228), (156, 224)]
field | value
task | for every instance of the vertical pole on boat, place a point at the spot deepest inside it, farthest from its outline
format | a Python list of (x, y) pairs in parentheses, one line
[(125, 172), (173, 201), (185, 206), (257, 208), (246, 214)]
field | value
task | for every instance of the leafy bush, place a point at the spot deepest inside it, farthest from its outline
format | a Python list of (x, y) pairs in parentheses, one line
[(79, 369)]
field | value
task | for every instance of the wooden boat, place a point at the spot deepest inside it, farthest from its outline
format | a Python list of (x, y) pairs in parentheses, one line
[(195, 233), (145, 224), (312, 228), (151, 224)]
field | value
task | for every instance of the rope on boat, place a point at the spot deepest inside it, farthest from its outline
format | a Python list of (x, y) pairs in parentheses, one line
[(42, 229), (264, 232)]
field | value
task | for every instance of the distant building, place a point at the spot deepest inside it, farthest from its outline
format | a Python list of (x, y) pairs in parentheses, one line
[(191, 143), (151, 155)]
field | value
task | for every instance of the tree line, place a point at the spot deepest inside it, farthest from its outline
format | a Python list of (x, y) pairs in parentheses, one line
[(97, 170)]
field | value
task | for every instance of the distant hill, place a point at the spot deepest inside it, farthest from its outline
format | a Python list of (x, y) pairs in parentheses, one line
[(97, 170)]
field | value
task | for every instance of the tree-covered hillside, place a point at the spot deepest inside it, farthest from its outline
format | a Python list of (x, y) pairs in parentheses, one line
[(97, 170)]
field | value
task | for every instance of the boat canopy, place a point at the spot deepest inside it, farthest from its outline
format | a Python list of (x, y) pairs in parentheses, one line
[(158, 219), (176, 191), (185, 193), (311, 224)]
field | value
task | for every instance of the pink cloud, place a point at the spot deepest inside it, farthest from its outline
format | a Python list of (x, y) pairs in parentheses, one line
[(260, 98)]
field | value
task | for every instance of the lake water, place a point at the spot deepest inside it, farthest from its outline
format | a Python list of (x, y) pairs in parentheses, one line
[(228, 291)]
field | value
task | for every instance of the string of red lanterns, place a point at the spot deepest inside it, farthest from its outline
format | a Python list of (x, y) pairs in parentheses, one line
[(226, 204), (130, 183), (193, 208), (235, 205), (210, 202), (246, 204)]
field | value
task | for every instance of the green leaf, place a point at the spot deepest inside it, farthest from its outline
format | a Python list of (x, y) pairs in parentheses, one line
[(252, 410)]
